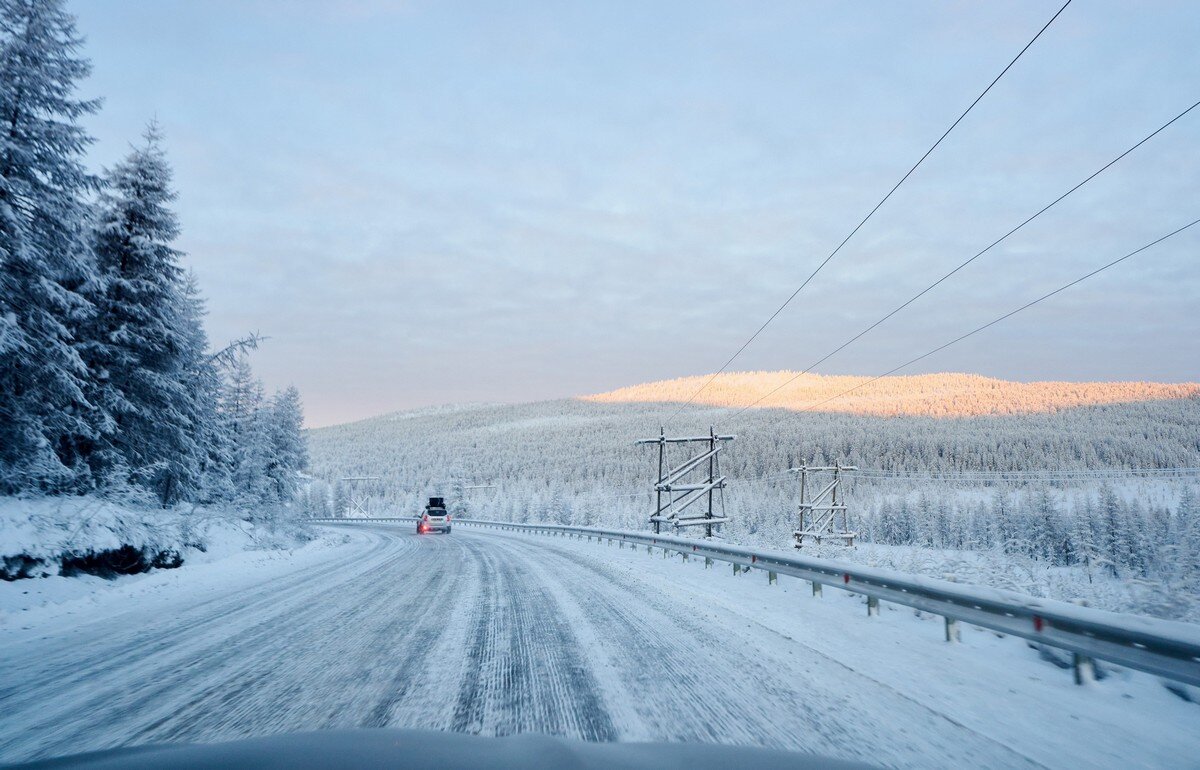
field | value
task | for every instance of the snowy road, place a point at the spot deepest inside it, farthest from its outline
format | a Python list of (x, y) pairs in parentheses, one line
[(498, 633)]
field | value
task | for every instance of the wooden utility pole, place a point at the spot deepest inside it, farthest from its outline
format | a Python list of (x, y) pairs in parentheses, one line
[(821, 520), (674, 492), (358, 502)]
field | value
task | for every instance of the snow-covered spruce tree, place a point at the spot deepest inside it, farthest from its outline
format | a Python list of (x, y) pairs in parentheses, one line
[(1187, 515), (142, 341), (289, 455), (247, 431), (205, 383), (44, 259), (1046, 531), (1115, 539), (264, 443), (340, 502)]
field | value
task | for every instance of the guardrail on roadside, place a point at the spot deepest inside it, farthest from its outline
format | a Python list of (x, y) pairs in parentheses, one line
[(1165, 648), (360, 520)]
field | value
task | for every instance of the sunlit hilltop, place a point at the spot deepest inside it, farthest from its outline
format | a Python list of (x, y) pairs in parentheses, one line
[(933, 395)]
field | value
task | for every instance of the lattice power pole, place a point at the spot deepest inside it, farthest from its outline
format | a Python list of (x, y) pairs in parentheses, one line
[(675, 492), (821, 520), (357, 501)]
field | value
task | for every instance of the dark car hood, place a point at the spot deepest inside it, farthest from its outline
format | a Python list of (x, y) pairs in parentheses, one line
[(419, 749)]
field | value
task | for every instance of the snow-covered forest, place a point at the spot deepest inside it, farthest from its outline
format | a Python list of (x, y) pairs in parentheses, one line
[(933, 395), (1111, 542), (109, 386)]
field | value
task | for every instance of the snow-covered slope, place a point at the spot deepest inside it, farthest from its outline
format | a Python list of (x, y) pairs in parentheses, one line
[(574, 461), (934, 395)]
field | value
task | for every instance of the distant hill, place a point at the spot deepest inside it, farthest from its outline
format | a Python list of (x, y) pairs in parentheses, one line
[(575, 461), (580, 452), (931, 395)]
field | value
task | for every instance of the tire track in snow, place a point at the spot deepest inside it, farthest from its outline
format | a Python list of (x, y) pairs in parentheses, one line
[(331, 683), (258, 649), (700, 687), (527, 671), (478, 632), (117, 690), (58, 660)]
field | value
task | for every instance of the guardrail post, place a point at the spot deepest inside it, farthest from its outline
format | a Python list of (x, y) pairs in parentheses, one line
[(685, 556), (1085, 669), (952, 632), (707, 562), (772, 578), (737, 568), (872, 606), (816, 588)]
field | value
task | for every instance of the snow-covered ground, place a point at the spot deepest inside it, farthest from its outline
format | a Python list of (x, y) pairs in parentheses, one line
[(230, 559), (46, 529), (501, 633)]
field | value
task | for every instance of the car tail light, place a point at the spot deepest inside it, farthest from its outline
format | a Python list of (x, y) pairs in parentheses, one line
[(447, 517)]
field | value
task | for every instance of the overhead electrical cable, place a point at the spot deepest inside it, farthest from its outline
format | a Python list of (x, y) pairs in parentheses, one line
[(991, 323), (871, 213), (976, 256)]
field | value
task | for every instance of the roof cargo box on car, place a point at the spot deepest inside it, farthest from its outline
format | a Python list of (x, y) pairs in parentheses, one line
[(436, 502)]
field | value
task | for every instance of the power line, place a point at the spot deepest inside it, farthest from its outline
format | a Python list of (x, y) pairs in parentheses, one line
[(976, 256), (994, 321), (870, 214)]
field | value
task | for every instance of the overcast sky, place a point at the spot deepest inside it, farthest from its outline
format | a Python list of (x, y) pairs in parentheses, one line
[(432, 202)]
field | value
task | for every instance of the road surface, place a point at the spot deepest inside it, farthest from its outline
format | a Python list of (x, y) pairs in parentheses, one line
[(498, 633)]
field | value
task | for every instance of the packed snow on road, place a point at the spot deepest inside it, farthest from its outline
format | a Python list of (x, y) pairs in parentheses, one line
[(499, 633)]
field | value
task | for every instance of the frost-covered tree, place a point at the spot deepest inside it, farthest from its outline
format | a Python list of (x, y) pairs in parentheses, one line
[(1047, 536), (1187, 515), (142, 339), (205, 384), (44, 256), (247, 431), (341, 499), (264, 446), (289, 452), (317, 503), (1084, 541), (1115, 537)]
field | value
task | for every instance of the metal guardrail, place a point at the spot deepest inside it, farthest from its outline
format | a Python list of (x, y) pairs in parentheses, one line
[(1165, 648), (360, 520)]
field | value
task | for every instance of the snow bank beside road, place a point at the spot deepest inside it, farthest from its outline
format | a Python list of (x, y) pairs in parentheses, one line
[(233, 559), (48, 536)]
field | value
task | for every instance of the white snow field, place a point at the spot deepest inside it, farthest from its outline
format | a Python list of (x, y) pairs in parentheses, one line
[(499, 633)]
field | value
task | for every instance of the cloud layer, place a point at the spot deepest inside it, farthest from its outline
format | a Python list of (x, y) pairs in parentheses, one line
[(422, 204)]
